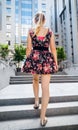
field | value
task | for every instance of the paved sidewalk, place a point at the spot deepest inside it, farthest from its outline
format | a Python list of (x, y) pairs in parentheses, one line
[(26, 90)]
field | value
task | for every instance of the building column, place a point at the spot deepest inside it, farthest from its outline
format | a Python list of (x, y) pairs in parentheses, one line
[(69, 51), (75, 31)]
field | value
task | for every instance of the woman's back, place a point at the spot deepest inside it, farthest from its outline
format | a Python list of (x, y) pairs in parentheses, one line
[(42, 38), (42, 32)]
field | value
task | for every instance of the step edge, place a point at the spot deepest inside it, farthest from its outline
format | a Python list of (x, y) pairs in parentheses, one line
[(27, 107)]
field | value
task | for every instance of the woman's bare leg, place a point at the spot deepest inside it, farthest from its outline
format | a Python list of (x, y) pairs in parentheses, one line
[(36, 87), (45, 94)]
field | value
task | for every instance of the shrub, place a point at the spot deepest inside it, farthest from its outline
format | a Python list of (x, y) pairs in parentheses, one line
[(61, 54), (4, 50), (19, 53)]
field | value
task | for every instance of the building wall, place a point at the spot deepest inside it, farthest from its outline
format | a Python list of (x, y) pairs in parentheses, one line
[(16, 22), (2, 22), (64, 23), (7, 30), (23, 12), (27, 7), (0, 15), (56, 5), (69, 30), (74, 16)]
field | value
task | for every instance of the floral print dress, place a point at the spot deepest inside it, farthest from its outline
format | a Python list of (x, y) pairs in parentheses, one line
[(40, 60)]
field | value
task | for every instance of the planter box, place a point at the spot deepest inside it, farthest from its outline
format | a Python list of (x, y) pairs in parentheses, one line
[(18, 69)]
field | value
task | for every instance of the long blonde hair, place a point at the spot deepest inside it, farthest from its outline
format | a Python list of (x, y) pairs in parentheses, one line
[(39, 21)]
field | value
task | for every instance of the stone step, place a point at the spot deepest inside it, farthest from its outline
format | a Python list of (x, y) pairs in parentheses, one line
[(52, 76), (30, 78), (30, 100), (54, 79), (27, 111), (67, 122), (51, 81), (58, 73)]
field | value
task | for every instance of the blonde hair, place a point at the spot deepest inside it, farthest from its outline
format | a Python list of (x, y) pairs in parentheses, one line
[(39, 21)]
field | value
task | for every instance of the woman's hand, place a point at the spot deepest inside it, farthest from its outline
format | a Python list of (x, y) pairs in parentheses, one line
[(56, 67)]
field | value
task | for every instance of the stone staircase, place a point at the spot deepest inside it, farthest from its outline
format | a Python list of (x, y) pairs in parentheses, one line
[(62, 114), (17, 113), (11, 109), (27, 79)]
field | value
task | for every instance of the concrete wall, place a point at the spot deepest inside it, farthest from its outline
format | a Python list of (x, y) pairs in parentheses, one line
[(75, 30), (70, 43), (5, 73)]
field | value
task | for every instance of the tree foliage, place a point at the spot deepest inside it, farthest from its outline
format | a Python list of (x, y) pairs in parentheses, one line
[(61, 54), (19, 53), (4, 50)]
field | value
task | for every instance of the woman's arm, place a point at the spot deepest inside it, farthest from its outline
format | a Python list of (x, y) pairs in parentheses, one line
[(53, 48), (29, 45)]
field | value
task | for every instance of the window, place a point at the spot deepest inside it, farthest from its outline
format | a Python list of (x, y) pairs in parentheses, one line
[(24, 31), (16, 39), (8, 18), (23, 38), (8, 26), (61, 19), (8, 42), (57, 43), (23, 5), (17, 11), (44, 12), (23, 21), (26, 13), (8, 34), (26, 21), (36, 6), (8, 10), (70, 6), (63, 3), (16, 2), (17, 20), (55, 5), (43, 0), (63, 15), (44, 6), (8, 2), (26, 1)]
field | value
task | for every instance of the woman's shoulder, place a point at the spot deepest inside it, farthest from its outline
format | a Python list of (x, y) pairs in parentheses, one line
[(31, 31)]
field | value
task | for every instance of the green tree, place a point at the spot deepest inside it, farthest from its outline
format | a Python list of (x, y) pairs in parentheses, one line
[(61, 54), (19, 53), (4, 50)]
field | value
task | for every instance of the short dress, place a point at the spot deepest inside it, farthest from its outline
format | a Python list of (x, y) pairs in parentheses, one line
[(40, 60)]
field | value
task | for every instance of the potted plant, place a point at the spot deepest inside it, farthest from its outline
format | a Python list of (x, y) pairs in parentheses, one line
[(60, 56), (19, 55), (4, 51)]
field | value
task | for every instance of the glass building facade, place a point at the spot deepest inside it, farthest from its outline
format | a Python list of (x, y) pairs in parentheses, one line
[(16, 17), (24, 10)]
